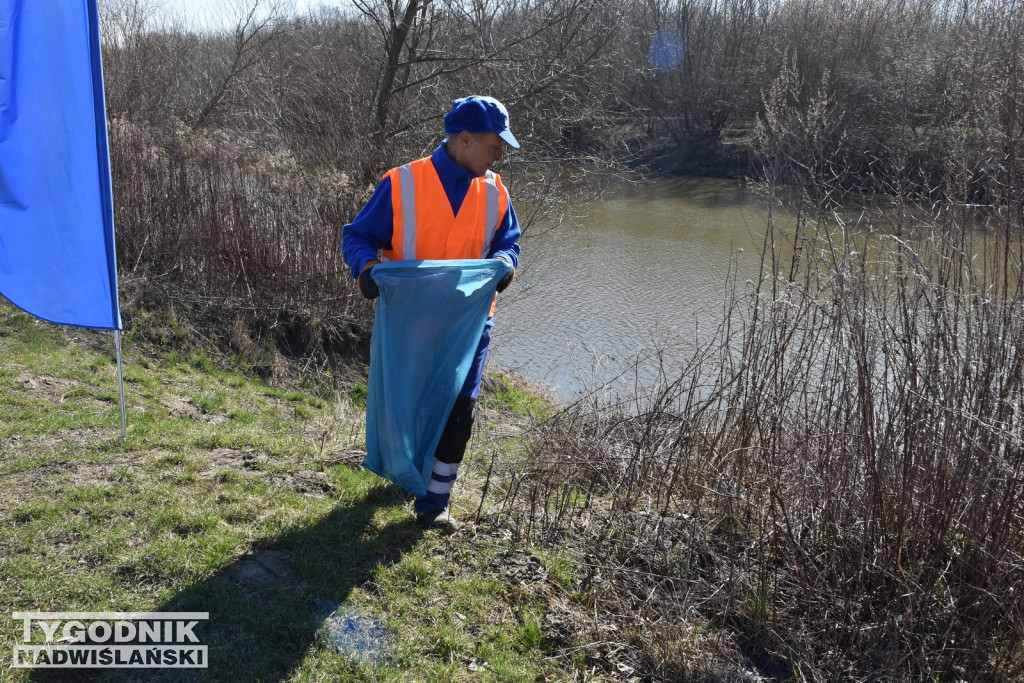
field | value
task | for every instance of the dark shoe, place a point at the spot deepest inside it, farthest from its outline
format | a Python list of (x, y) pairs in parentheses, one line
[(441, 520)]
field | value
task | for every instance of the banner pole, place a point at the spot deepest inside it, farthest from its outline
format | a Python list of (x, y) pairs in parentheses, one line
[(120, 384)]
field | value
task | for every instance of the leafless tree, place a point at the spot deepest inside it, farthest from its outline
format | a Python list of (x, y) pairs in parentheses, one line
[(137, 59), (250, 39)]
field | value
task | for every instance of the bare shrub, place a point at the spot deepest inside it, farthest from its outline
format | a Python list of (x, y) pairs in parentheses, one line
[(841, 481), (221, 228)]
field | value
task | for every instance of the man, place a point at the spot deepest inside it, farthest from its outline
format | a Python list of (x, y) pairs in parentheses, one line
[(445, 206)]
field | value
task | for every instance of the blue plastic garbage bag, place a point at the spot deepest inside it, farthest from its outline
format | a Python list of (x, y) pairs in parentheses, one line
[(429, 319)]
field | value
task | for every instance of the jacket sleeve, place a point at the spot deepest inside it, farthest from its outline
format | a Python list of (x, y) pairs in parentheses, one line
[(505, 244), (370, 231)]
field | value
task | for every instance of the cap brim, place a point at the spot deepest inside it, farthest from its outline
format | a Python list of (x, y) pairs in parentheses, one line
[(507, 136)]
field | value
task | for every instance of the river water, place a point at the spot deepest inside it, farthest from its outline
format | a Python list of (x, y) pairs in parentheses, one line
[(645, 266)]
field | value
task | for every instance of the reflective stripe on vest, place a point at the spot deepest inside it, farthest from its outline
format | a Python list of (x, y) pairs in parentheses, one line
[(424, 226), (408, 190)]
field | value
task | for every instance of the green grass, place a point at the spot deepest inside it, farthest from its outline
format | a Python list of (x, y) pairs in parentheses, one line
[(241, 499), (515, 396), (561, 569)]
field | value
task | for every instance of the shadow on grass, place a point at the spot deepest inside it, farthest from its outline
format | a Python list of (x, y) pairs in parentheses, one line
[(267, 608)]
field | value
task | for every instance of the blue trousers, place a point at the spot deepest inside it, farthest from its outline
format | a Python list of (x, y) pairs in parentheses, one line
[(457, 431)]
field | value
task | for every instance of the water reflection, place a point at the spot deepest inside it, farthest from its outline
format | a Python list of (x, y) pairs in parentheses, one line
[(646, 265)]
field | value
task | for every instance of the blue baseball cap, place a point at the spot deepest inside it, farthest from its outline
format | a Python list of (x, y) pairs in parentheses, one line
[(479, 114)]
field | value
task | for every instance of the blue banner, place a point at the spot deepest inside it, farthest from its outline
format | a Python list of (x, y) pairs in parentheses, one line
[(57, 257)]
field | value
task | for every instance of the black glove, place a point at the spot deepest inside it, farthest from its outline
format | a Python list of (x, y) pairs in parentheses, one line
[(504, 282), (367, 287)]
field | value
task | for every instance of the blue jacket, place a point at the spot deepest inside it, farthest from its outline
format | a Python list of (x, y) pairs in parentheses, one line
[(372, 228)]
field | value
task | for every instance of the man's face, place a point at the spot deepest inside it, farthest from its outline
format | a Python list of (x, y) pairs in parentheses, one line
[(480, 151)]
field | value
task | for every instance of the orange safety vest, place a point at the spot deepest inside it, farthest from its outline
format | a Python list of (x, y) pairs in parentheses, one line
[(424, 226)]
